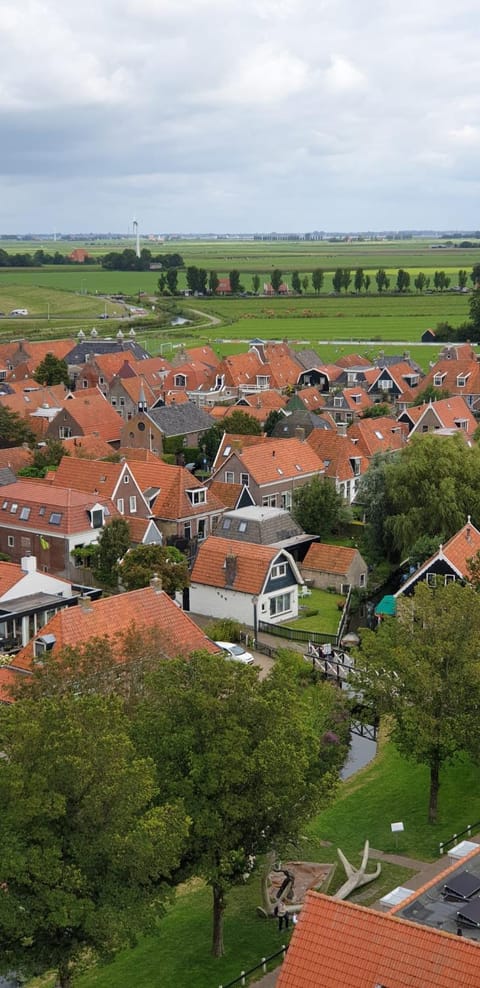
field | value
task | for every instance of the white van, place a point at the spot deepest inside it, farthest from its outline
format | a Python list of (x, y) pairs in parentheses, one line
[(19, 312)]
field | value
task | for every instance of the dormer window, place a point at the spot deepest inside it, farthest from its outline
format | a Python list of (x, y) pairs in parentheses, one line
[(180, 380), (438, 380), (461, 380), (198, 495), (96, 516), (338, 402)]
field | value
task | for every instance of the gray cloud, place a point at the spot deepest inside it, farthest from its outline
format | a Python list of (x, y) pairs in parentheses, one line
[(238, 114)]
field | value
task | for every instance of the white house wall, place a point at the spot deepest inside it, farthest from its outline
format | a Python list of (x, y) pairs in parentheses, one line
[(219, 602)]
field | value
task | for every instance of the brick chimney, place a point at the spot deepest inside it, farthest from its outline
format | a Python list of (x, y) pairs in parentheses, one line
[(85, 603), (230, 569), (156, 583)]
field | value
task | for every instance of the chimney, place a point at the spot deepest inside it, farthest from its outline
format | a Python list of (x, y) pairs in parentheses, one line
[(85, 603), (28, 563), (156, 583), (300, 433), (468, 533), (230, 570)]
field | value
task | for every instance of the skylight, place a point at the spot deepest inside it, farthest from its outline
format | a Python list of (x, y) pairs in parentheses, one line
[(55, 518), (379, 434)]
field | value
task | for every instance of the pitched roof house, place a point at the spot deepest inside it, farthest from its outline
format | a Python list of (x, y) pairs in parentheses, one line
[(335, 566), (271, 470), (449, 563), (149, 429), (377, 435), (339, 944), (447, 415), (245, 581)]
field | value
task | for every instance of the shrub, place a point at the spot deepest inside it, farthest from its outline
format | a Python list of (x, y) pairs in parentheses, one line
[(226, 630)]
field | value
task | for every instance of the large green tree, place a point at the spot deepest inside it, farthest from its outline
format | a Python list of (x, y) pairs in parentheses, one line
[(234, 278), (143, 562), (319, 508), (372, 495), (423, 669), (251, 760), (85, 850), (317, 280), (112, 546), (432, 486), (276, 279), (172, 280), (239, 422), (382, 280), (52, 370), (14, 430)]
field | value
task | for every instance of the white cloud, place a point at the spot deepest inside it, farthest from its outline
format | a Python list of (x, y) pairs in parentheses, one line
[(342, 76)]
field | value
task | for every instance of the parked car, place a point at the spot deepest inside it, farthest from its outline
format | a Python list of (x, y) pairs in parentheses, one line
[(236, 652)]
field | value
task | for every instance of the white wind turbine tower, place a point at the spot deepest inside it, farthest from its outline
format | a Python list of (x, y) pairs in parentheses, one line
[(136, 234)]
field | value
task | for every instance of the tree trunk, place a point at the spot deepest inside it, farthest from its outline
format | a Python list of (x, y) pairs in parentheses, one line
[(434, 787), (65, 976), (218, 909)]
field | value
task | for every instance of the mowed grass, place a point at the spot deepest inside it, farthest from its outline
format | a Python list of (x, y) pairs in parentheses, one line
[(328, 614)]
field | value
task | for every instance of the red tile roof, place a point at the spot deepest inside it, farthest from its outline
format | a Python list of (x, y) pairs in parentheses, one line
[(16, 457), (71, 505), (87, 447), (7, 680), (337, 453), (10, 574), (172, 501), (252, 564), (92, 476), (228, 494), (93, 415), (279, 459), (378, 435), (329, 558), (338, 944), (111, 616), (311, 398), (448, 412)]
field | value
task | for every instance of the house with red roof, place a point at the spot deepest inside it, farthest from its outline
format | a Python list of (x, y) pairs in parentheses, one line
[(244, 580), (378, 435), (271, 469), (85, 415), (338, 944), (333, 566), (344, 462), (49, 523), (445, 416), (112, 481), (449, 563), (147, 610)]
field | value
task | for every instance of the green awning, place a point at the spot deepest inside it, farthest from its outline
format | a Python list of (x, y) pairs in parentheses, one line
[(387, 606)]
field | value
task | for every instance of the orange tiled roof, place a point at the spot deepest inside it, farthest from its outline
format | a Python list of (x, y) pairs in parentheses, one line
[(253, 563), (357, 399), (93, 476), (262, 399), (228, 494), (10, 574), (337, 452), (329, 558), (339, 944), (232, 440), (26, 402), (71, 505), (172, 501), (460, 548), (311, 398), (94, 415), (142, 455), (110, 616), (87, 447), (279, 459), (353, 360), (378, 435), (241, 368), (7, 680), (449, 411), (16, 457)]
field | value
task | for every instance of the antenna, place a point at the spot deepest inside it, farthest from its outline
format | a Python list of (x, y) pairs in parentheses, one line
[(136, 234)]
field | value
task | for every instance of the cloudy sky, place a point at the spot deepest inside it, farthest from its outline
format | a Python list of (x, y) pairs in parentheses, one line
[(239, 115)]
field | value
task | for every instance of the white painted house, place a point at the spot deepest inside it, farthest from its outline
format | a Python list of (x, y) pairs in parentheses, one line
[(244, 581)]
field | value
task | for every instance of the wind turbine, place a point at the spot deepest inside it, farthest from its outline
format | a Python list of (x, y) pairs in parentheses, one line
[(136, 234)]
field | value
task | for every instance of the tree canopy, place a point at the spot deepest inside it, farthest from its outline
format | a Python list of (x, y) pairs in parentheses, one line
[(13, 429), (52, 370), (112, 546), (241, 423), (423, 669), (319, 508), (85, 850), (143, 562), (251, 760)]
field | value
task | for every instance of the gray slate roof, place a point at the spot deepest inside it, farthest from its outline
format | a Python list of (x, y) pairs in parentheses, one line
[(78, 354), (179, 420), (263, 526)]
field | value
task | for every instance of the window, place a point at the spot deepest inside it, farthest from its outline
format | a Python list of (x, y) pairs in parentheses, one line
[(14, 508), (41, 510), (286, 500), (113, 401), (120, 505), (24, 514), (362, 580), (201, 528), (242, 527), (461, 381), (279, 570), (280, 604), (437, 380), (345, 588), (245, 479), (229, 477), (96, 516), (227, 450), (5, 505), (55, 518), (432, 579), (337, 402), (84, 383), (226, 523), (64, 432), (198, 496), (11, 541), (126, 479), (187, 530), (449, 578), (180, 381), (385, 385), (133, 504), (122, 401), (101, 380), (270, 501)]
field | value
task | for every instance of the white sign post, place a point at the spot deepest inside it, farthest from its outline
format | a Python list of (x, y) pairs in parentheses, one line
[(397, 828)]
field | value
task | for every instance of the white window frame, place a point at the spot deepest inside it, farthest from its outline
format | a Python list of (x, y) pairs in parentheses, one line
[(121, 505), (269, 501), (281, 604), (229, 477), (279, 570), (132, 504), (10, 541)]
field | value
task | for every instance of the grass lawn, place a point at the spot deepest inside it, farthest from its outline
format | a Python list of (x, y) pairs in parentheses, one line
[(328, 617)]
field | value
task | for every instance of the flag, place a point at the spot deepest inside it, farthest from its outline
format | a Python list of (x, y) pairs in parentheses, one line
[(43, 542)]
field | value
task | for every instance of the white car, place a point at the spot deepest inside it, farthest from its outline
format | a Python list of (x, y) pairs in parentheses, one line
[(236, 652)]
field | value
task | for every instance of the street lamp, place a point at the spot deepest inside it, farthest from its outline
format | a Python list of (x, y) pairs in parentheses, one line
[(255, 618)]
